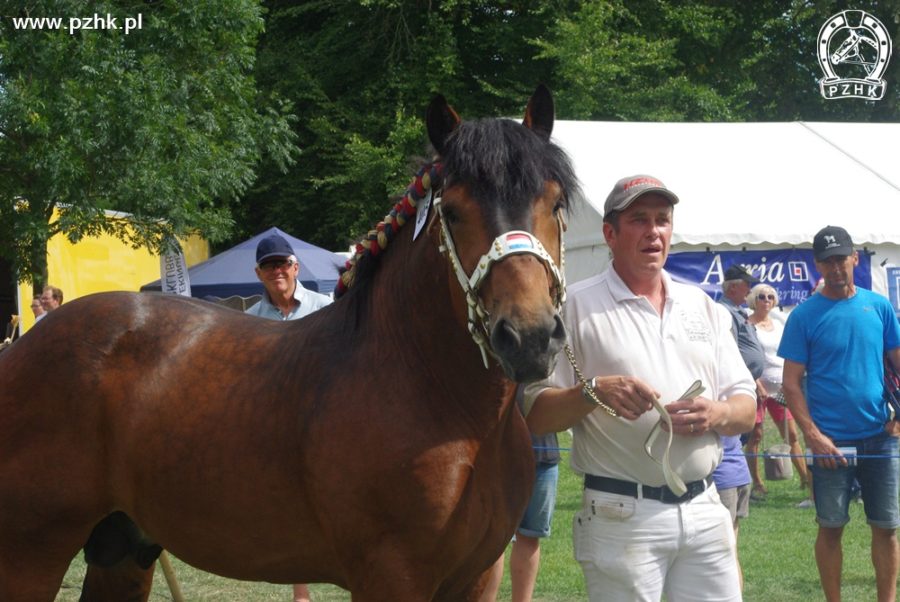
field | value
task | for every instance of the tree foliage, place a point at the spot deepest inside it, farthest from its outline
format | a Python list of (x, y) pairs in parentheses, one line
[(164, 123), (360, 74)]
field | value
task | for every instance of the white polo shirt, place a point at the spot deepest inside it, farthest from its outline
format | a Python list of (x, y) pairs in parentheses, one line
[(612, 331)]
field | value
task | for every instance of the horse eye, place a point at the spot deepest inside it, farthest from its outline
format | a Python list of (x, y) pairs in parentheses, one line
[(562, 219), (450, 216)]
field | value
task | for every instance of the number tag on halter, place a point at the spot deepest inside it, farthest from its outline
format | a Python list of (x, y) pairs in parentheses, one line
[(422, 214)]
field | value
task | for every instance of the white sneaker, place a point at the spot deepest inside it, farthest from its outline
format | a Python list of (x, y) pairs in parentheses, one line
[(807, 503)]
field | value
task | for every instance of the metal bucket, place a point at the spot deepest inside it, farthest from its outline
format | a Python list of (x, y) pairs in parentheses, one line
[(777, 461)]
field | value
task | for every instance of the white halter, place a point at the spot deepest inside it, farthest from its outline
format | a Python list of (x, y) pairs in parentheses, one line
[(514, 242)]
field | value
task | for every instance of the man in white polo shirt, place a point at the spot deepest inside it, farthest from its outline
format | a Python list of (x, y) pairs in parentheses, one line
[(639, 337)]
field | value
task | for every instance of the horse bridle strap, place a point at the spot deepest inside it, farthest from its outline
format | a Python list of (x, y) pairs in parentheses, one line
[(514, 242)]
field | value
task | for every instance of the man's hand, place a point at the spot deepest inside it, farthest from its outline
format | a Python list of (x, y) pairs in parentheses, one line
[(692, 417), (823, 449), (628, 396)]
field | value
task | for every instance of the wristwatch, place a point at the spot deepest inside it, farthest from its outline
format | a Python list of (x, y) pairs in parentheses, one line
[(588, 391)]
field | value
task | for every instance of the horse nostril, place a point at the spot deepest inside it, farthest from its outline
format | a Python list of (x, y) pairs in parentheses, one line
[(559, 329), (506, 336)]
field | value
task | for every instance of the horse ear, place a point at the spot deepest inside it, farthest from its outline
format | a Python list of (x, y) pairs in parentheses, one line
[(539, 112), (440, 119)]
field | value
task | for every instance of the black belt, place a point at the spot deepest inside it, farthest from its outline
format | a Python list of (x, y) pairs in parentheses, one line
[(661, 494)]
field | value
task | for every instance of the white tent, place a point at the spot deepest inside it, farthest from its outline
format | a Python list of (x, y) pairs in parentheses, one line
[(743, 185)]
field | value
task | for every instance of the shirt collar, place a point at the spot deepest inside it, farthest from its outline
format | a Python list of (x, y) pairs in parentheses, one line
[(620, 291)]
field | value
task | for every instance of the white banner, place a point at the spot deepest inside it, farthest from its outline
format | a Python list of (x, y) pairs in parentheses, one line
[(173, 271)]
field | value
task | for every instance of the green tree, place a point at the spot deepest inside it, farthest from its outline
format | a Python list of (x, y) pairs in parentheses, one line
[(361, 72), (782, 71), (360, 75), (707, 60), (164, 122)]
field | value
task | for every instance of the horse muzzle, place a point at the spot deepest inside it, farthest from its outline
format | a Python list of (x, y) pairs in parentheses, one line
[(528, 353)]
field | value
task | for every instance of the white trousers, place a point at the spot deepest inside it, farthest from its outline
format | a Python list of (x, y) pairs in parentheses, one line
[(636, 550)]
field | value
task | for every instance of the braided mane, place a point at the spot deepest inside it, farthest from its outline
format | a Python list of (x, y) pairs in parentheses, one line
[(378, 238)]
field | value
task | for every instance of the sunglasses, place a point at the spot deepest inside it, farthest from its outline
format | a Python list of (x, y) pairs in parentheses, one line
[(763, 297), (276, 264)]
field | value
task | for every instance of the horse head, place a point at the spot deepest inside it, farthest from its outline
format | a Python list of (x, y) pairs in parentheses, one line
[(500, 217)]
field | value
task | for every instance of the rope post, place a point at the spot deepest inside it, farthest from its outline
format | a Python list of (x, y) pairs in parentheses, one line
[(171, 580)]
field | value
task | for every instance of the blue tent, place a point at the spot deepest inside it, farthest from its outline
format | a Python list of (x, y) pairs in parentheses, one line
[(231, 272)]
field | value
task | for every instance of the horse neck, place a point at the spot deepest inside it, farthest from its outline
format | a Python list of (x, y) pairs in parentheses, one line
[(409, 309)]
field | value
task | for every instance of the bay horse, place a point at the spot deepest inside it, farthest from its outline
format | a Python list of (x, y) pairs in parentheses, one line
[(366, 445)]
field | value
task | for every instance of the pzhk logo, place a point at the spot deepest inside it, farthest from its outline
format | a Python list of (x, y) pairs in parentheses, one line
[(854, 50)]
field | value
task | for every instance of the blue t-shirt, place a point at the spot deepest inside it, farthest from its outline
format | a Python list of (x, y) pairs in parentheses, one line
[(842, 344)]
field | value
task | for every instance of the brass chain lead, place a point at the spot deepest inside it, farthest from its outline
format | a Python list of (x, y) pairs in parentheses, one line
[(585, 385)]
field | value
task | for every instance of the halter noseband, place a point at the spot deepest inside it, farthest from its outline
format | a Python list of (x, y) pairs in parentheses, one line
[(514, 242)]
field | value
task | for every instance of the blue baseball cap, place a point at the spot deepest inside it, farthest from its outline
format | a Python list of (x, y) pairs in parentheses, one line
[(272, 246)]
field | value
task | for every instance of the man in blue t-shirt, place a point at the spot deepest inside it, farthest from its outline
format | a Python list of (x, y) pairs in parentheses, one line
[(838, 337)]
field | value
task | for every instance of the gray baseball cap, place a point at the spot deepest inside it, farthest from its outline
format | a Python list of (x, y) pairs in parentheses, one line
[(628, 190)]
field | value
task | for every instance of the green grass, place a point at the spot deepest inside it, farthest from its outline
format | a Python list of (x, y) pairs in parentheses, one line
[(775, 546)]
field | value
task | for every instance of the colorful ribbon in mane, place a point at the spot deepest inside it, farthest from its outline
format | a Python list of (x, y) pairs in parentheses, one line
[(378, 238)]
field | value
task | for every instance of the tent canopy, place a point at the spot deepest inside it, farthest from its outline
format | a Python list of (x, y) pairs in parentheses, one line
[(746, 183), (231, 272)]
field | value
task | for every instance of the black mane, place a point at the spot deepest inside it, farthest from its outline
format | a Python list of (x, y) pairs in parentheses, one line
[(505, 163)]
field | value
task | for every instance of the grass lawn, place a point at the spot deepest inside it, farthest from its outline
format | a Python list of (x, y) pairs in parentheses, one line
[(775, 546)]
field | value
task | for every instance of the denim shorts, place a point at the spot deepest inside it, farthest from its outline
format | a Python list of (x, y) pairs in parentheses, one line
[(878, 472), (536, 522)]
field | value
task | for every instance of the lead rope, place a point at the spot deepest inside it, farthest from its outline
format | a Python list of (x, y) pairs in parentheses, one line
[(673, 480), (585, 385)]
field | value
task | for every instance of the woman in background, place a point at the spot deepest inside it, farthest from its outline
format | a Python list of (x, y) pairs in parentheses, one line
[(762, 300)]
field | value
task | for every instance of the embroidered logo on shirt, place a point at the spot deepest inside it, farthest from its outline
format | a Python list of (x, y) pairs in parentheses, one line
[(695, 327)]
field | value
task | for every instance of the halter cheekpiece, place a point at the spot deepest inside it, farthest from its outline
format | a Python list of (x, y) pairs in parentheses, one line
[(514, 242)]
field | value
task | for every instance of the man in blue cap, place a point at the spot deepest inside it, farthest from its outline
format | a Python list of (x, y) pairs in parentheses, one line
[(277, 269), (285, 299)]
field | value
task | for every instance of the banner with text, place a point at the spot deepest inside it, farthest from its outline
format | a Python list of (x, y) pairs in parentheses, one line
[(791, 272), (173, 270)]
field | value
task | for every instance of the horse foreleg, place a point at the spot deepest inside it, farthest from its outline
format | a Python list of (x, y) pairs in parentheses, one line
[(125, 581), (30, 571), (471, 593)]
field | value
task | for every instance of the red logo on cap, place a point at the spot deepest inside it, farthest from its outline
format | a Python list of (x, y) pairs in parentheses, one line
[(643, 182)]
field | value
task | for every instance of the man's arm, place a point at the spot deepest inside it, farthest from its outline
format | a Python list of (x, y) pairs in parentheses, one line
[(893, 426), (733, 416), (556, 409), (894, 356), (816, 441)]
